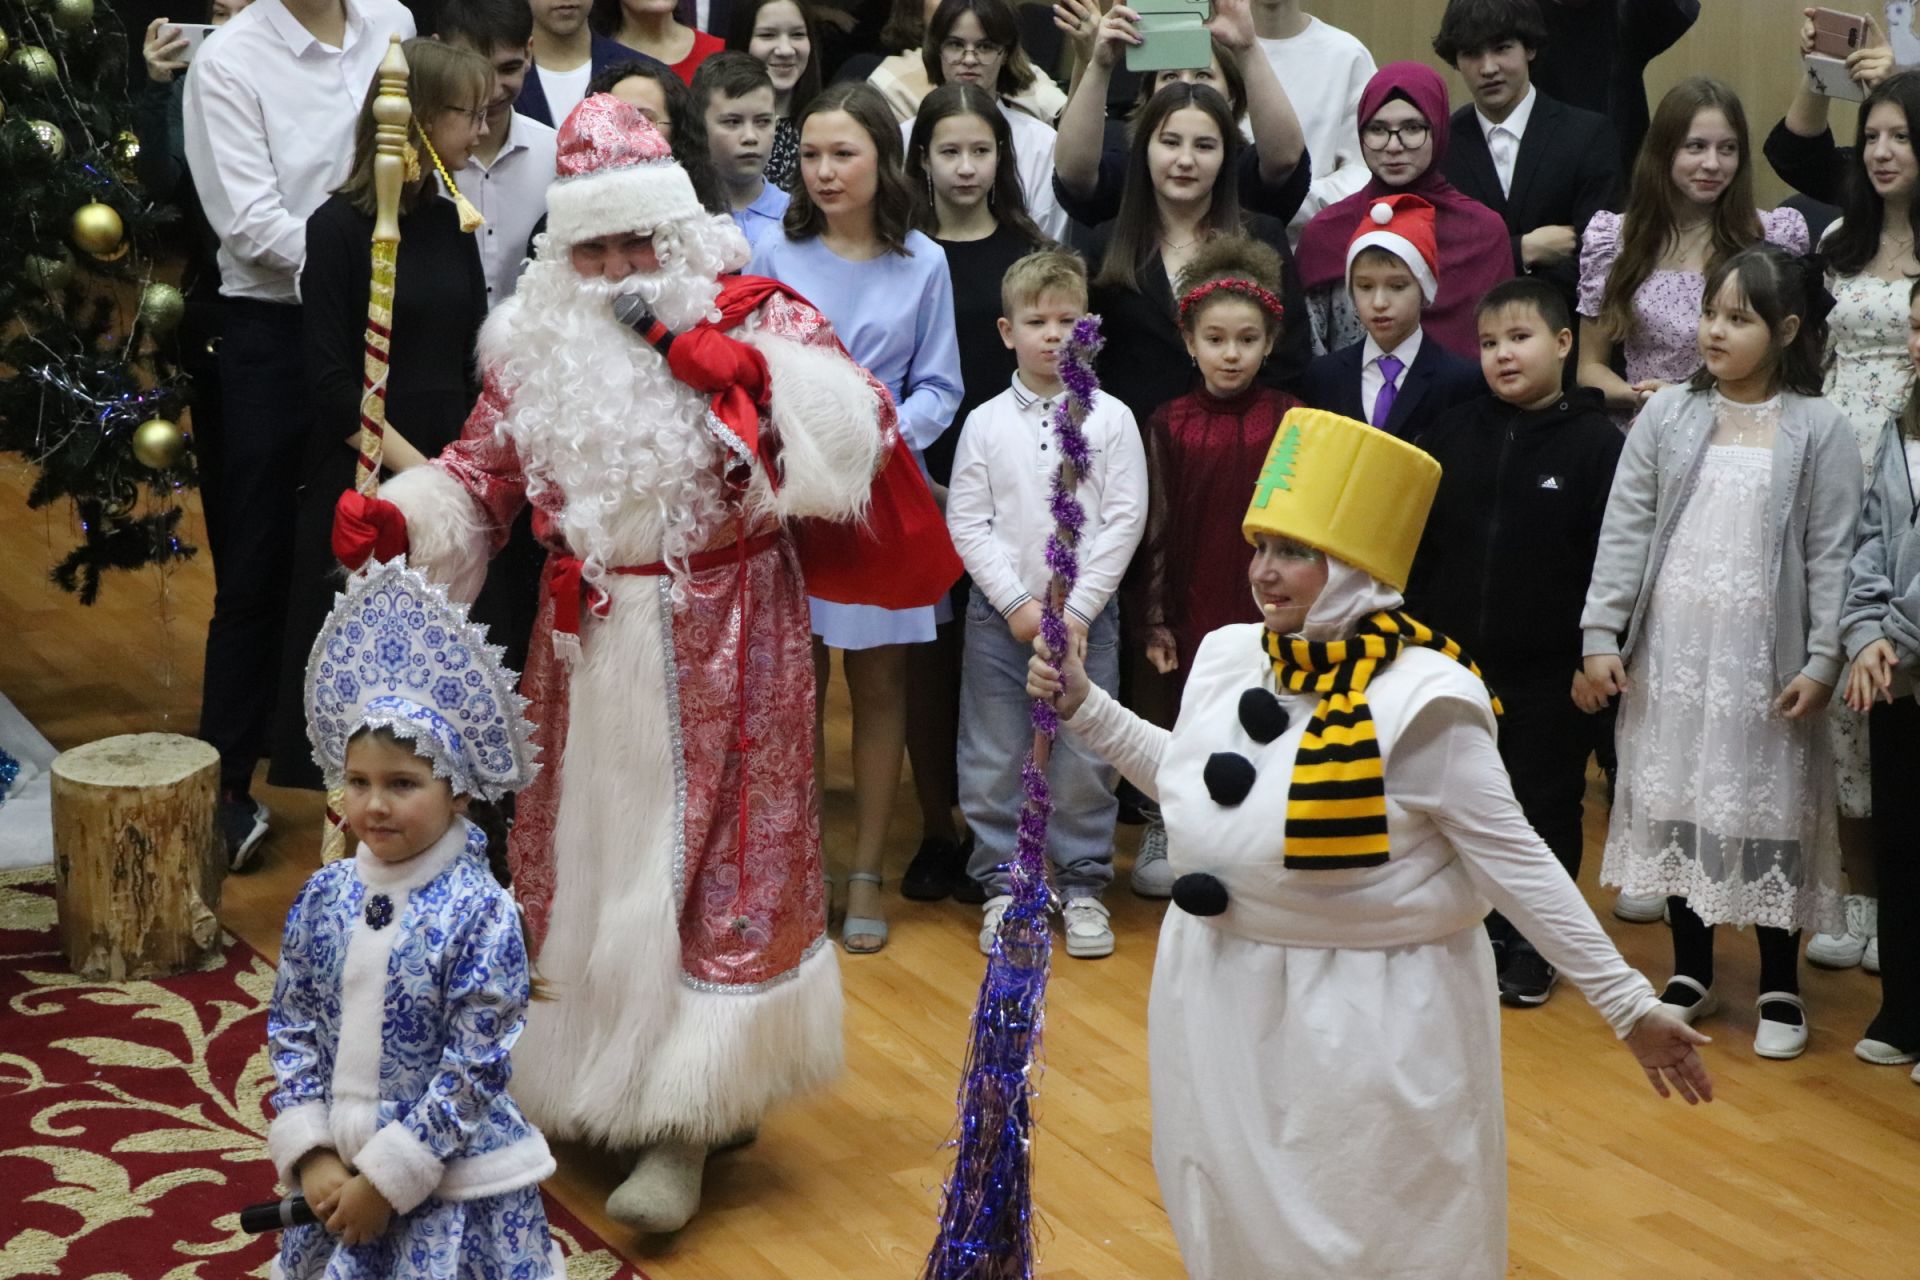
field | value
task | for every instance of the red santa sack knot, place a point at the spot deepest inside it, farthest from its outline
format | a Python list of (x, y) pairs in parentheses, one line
[(899, 556)]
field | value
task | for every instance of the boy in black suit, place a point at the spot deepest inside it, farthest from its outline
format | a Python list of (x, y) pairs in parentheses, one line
[(1504, 564), (1544, 166), (1393, 378)]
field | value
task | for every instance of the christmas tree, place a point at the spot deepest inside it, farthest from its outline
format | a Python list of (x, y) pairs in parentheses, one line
[(88, 395)]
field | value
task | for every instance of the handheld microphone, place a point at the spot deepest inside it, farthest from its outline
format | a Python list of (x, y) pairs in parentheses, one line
[(632, 310), (277, 1215)]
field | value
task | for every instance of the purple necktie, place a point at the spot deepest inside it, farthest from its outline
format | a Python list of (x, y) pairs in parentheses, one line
[(1390, 370)]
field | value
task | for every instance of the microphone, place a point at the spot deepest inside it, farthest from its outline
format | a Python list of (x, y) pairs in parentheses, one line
[(632, 310), (276, 1215)]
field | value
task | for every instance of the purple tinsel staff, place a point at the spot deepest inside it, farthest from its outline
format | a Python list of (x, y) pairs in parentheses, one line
[(986, 1223)]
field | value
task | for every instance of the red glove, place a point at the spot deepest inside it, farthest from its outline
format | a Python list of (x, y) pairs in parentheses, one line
[(364, 526), (711, 363)]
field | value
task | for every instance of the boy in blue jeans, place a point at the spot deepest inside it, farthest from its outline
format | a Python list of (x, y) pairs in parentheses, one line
[(999, 514)]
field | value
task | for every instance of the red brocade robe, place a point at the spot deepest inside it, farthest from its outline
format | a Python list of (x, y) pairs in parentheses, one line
[(668, 854)]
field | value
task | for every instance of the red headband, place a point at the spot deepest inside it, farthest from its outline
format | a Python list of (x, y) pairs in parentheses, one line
[(1245, 288)]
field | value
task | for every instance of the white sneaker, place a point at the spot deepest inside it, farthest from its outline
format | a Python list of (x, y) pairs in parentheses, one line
[(1780, 1040), (1089, 936), (990, 920), (1845, 950), (1882, 1054), (1638, 909), (1870, 957), (1152, 874)]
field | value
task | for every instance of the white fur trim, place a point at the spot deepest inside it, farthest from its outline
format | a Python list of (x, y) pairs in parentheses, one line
[(446, 534), (293, 1134), (828, 424), (1402, 248), (399, 1166), (627, 1052), (363, 987), (523, 1164), (636, 198)]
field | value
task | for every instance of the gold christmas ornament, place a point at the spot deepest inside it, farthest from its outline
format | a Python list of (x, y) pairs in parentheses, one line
[(158, 444), (52, 141), (51, 274), (5, 44), (126, 148), (162, 307), (73, 15), (98, 230), (37, 65)]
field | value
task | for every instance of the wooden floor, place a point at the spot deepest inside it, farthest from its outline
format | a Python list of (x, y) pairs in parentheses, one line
[(1801, 1169)]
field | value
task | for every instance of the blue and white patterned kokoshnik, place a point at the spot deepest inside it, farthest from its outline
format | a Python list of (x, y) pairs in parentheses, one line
[(397, 654)]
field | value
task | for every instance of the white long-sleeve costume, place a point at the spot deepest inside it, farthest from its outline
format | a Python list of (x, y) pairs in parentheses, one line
[(1325, 1055)]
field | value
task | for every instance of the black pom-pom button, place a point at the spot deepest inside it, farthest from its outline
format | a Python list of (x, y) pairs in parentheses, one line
[(1229, 776), (1262, 716), (1199, 894)]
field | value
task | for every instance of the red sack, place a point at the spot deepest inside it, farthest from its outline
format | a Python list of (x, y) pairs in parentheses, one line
[(364, 526), (898, 557)]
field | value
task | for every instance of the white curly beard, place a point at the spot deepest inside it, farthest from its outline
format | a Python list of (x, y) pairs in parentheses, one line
[(595, 413)]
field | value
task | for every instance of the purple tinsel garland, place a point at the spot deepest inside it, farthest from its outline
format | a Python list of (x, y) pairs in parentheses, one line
[(986, 1222)]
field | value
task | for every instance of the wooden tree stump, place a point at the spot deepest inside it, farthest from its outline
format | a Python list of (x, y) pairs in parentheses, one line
[(137, 856)]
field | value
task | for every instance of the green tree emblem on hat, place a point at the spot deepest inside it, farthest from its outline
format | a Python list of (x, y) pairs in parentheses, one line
[(1278, 473)]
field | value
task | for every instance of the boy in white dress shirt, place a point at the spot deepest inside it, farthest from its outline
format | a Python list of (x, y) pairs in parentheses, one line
[(999, 514)]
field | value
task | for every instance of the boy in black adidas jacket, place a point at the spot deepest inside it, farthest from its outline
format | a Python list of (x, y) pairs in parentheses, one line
[(1504, 564)]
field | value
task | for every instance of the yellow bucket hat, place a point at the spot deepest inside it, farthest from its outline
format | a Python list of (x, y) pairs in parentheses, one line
[(1350, 490)]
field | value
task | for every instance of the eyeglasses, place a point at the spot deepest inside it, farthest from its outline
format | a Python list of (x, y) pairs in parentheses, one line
[(984, 50), (1411, 135), (473, 117)]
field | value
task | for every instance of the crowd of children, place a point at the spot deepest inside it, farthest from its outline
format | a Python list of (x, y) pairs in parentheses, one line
[(1675, 514)]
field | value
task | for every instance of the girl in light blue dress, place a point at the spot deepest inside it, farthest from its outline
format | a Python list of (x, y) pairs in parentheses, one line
[(403, 976), (850, 250)]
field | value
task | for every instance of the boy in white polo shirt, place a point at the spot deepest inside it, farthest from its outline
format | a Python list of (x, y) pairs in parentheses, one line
[(1000, 516)]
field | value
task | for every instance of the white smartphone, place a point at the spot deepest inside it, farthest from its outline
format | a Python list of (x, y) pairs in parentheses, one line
[(1827, 76), (195, 34)]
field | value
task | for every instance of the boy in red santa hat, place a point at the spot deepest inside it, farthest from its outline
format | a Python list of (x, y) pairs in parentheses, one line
[(672, 428), (1396, 378)]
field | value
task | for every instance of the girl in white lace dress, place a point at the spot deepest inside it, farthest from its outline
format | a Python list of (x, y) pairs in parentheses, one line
[(1714, 608)]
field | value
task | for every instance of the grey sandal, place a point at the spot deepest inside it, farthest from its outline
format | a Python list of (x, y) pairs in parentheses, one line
[(863, 926)]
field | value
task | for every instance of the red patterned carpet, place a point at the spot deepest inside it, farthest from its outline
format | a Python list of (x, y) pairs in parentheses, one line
[(133, 1115)]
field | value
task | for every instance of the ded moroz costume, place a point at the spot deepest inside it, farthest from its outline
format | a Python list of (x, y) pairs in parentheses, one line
[(668, 857)]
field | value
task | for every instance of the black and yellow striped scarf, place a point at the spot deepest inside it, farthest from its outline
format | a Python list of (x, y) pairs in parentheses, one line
[(1337, 806)]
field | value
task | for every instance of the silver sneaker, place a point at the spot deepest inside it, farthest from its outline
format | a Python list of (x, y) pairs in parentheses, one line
[(1639, 910), (1846, 950), (990, 920), (1152, 874)]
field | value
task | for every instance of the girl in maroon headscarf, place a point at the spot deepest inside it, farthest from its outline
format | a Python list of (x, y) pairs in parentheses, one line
[(1403, 137)]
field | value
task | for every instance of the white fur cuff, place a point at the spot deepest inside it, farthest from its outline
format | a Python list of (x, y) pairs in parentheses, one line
[(293, 1134), (446, 537), (400, 1167), (826, 416)]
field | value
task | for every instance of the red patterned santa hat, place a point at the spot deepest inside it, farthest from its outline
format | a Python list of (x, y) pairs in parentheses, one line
[(615, 174), (1402, 225)]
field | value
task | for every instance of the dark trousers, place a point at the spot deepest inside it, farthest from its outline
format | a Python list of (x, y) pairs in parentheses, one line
[(1894, 738), (264, 437), (1545, 741)]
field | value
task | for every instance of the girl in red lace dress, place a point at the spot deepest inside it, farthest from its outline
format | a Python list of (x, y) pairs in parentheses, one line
[(1203, 450)]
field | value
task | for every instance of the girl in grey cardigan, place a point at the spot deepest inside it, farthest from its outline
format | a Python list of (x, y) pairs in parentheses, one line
[(1881, 631), (1715, 609)]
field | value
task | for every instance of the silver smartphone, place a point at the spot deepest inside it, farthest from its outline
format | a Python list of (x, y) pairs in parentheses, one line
[(195, 34)]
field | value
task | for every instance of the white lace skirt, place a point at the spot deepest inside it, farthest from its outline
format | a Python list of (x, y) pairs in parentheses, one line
[(1720, 800)]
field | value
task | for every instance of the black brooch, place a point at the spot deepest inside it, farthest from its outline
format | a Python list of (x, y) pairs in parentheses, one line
[(379, 913)]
